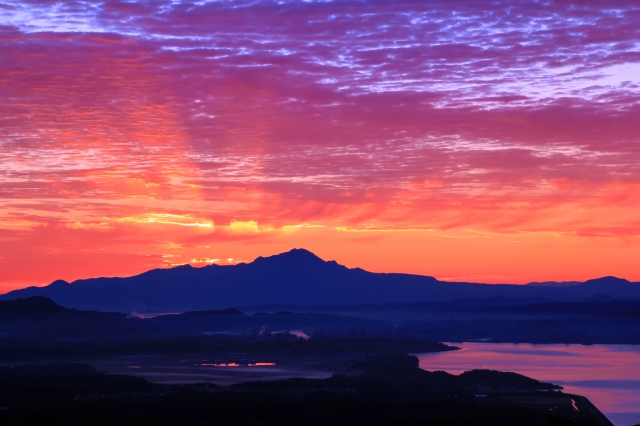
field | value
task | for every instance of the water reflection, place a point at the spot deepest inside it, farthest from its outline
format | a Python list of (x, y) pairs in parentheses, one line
[(609, 375), (235, 364)]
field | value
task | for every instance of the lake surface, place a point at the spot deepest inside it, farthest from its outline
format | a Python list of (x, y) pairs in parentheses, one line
[(609, 375)]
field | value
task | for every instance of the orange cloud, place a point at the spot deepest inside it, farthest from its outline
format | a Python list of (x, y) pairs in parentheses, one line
[(167, 219), (127, 143)]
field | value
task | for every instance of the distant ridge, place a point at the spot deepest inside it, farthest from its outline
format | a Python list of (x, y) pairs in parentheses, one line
[(555, 284), (596, 282), (295, 277), (42, 316)]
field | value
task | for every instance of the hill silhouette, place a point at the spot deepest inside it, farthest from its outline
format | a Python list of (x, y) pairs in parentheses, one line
[(295, 277), (41, 316), (392, 392)]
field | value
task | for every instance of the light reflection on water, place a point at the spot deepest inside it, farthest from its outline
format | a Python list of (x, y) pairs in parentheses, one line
[(234, 364), (609, 375)]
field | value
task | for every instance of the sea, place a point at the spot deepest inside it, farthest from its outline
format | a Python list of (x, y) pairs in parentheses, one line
[(608, 375)]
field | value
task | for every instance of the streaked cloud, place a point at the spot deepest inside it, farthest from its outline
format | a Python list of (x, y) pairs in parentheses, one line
[(167, 219), (126, 126)]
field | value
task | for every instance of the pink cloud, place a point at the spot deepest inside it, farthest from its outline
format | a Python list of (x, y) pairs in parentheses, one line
[(404, 113)]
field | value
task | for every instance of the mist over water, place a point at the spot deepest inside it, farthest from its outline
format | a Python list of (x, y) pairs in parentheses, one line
[(609, 375)]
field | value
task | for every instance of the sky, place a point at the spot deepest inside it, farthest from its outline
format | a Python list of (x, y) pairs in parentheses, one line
[(480, 141)]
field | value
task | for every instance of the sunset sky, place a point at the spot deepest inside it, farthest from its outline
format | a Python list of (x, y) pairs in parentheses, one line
[(466, 140)]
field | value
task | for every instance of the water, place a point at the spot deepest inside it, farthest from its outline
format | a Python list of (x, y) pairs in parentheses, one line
[(609, 375)]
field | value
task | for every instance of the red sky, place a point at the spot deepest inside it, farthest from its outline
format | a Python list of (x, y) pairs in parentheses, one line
[(467, 140)]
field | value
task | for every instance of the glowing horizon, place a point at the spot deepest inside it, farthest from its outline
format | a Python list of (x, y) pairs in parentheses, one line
[(472, 141)]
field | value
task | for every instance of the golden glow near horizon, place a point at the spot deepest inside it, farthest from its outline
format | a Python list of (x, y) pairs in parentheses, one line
[(166, 218), (418, 139)]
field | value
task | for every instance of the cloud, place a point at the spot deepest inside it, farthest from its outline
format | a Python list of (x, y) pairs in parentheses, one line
[(353, 115), (167, 219)]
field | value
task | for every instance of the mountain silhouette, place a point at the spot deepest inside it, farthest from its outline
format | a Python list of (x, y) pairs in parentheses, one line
[(40, 316), (297, 277), (33, 307)]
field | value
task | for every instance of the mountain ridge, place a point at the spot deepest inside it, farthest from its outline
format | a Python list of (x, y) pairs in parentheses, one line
[(297, 276)]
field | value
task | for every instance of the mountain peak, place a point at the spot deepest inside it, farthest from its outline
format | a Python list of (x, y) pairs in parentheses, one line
[(296, 255)]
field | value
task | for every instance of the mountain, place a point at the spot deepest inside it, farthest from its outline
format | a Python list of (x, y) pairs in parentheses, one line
[(297, 277), (40, 316), (33, 307)]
